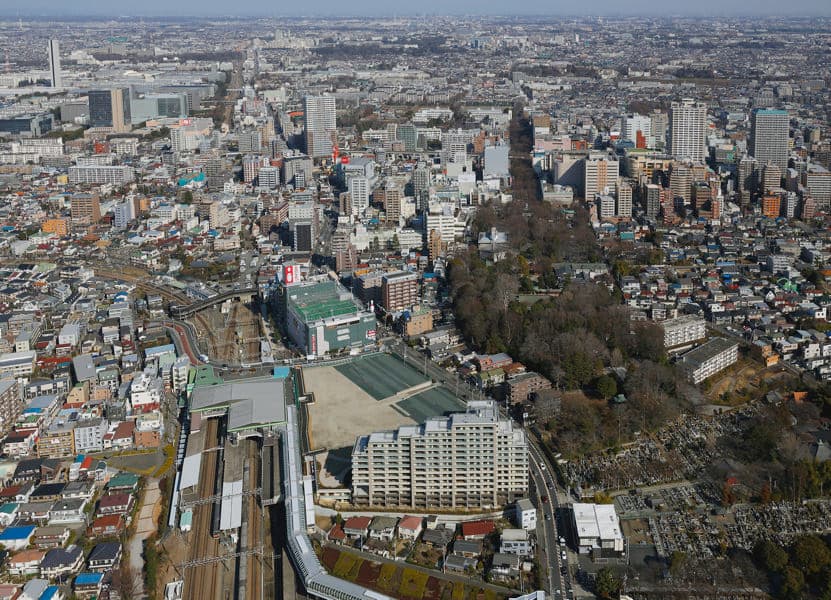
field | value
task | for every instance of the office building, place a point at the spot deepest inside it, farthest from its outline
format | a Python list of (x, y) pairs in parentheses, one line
[(683, 331), (321, 316), (321, 126), (769, 137), (84, 209), (34, 125), (55, 64), (710, 358), (158, 106), (597, 530), (268, 177), (110, 108), (601, 172), (474, 459), (687, 130), (399, 291)]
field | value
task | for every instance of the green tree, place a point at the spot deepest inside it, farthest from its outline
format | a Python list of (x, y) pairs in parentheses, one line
[(771, 557), (793, 583), (606, 386), (810, 554), (608, 583)]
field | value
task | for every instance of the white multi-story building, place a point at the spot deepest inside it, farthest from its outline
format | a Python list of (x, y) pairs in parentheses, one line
[(471, 459), (359, 191), (124, 213), (101, 174), (683, 331), (687, 130), (89, 435), (710, 358), (146, 391), (597, 529), (601, 173), (321, 124), (526, 514), (634, 123)]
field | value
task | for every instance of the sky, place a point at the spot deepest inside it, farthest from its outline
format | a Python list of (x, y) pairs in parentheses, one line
[(273, 8)]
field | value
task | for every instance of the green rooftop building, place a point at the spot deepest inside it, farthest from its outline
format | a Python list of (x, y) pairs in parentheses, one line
[(322, 317)]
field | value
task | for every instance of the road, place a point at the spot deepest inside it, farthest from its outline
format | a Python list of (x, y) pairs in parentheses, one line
[(558, 576)]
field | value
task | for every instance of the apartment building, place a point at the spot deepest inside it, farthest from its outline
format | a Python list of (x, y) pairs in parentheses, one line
[(683, 331), (710, 358), (11, 403), (399, 290), (470, 459)]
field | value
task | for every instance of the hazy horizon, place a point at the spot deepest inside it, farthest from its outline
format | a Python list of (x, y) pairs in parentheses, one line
[(375, 8)]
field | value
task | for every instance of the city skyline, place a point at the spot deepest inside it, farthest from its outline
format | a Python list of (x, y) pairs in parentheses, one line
[(595, 8)]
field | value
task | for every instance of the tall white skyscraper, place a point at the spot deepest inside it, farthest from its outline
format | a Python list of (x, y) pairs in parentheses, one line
[(359, 191), (769, 130), (321, 125), (687, 130), (55, 63)]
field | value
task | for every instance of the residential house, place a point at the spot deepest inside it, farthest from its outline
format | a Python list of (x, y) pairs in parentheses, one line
[(8, 513), (51, 536), (47, 492), (107, 526), (88, 585), (505, 565), (439, 538), (383, 528), (525, 514), (104, 556), (34, 589), (115, 504), (477, 530), (409, 528), (516, 541), (68, 511), (60, 562), (25, 563), (17, 538), (459, 564), (357, 527), (467, 548)]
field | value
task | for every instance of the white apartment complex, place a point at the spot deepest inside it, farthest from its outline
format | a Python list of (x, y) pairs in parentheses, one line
[(683, 331), (470, 459), (687, 130), (98, 174), (710, 358)]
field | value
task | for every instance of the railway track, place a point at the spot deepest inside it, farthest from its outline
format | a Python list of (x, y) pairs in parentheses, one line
[(201, 324), (255, 524), (201, 583)]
